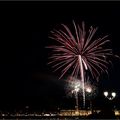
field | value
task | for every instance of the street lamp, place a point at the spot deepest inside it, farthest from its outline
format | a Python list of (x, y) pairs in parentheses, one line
[(113, 94), (110, 96)]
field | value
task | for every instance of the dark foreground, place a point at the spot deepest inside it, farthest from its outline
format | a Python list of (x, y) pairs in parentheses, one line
[(63, 117)]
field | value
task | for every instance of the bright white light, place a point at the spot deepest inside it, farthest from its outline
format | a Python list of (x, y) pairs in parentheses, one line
[(113, 94), (110, 98), (76, 89), (89, 90), (77, 86), (72, 91), (106, 94)]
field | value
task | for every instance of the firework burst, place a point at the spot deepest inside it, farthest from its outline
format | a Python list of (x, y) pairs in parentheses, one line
[(79, 51), (73, 84), (74, 87)]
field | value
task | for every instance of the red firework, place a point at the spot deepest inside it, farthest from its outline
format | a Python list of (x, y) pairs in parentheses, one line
[(79, 49)]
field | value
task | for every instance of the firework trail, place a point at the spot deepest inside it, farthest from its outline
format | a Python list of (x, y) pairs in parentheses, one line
[(73, 86), (79, 51)]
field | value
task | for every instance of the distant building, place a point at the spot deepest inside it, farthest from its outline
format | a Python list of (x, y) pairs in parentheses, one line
[(82, 112)]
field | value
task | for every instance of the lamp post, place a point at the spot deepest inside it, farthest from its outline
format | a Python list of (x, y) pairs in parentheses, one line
[(109, 110), (109, 96)]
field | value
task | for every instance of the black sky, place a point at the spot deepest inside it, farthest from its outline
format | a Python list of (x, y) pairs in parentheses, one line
[(25, 78)]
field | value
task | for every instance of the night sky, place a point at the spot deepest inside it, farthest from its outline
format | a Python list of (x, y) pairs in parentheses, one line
[(25, 77)]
